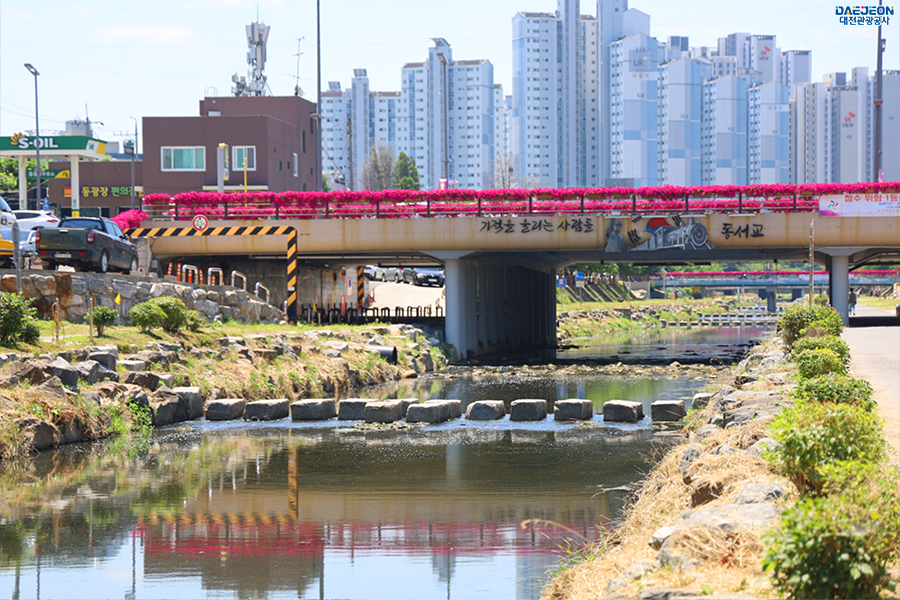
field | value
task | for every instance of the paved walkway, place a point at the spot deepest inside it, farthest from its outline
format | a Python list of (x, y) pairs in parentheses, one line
[(875, 357)]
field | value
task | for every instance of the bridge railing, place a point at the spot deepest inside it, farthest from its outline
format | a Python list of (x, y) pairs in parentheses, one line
[(500, 203)]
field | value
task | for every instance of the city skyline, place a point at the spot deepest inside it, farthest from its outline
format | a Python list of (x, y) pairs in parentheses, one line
[(172, 56)]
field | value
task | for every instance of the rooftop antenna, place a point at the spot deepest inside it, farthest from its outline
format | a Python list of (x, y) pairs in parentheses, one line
[(298, 91), (255, 82)]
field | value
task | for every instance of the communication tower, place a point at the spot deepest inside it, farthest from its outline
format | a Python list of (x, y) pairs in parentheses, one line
[(255, 82)]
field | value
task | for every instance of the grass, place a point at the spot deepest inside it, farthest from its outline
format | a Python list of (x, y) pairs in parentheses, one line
[(882, 303)]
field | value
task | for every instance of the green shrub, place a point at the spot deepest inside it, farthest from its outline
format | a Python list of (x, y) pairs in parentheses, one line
[(830, 342), (165, 311), (836, 388), (103, 317), (797, 318), (14, 314), (31, 333), (819, 361), (812, 435), (840, 545), (193, 321)]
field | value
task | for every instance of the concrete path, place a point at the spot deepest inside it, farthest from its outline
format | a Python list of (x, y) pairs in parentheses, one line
[(391, 295), (875, 357)]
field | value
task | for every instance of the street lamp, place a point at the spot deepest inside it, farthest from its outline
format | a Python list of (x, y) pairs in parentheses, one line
[(37, 133), (133, 155)]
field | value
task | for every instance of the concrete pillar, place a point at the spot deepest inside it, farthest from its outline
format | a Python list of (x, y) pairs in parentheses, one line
[(510, 300), (483, 306), (495, 312), (552, 309), (23, 183), (454, 321), (471, 303), (839, 278), (76, 185)]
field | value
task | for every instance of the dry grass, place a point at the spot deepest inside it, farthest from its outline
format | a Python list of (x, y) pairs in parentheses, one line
[(727, 564)]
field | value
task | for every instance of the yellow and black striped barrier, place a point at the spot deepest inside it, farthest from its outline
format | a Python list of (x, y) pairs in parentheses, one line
[(360, 288), (291, 232)]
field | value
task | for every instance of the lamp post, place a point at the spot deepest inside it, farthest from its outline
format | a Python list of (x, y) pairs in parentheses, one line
[(37, 133), (318, 97), (133, 156)]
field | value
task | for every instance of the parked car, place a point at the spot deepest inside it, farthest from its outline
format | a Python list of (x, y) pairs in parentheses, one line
[(7, 218), (394, 274), (86, 242), (34, 219), (373, 273), (424, 276)]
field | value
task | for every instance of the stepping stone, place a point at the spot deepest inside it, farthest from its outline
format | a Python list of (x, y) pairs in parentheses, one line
[(225, 409), (573, 410), (383, 412), (455, 407), (429, 412), (622, 411), (667, 410), (191, 400), (528, 410), (486, 410), (320, 409), (405, 403), (266, 410), (352, 409)]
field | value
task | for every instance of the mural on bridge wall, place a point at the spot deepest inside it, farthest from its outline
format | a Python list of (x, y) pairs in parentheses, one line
[(657, 233)]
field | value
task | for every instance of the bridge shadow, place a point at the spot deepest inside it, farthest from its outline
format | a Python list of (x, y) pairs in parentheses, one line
[(879, 321)]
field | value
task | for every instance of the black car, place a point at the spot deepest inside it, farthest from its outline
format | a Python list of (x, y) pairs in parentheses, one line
[(424, 276)]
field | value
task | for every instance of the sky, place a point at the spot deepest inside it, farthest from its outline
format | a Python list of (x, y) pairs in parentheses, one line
[(116, 60)]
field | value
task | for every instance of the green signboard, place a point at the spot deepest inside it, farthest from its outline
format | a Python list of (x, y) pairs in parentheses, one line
[(50, 173), (52, 143)]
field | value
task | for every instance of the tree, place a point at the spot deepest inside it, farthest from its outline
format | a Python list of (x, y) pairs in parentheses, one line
[(325, 186), (406, 175), (505, 176), (9, 173), (377, 172)]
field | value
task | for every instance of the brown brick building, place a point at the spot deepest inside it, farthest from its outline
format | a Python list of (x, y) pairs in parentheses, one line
[(275, 134)]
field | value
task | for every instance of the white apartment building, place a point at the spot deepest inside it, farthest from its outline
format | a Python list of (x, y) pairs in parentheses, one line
[(724, 131), (764, 57), (890, 125), (768, 133), (680, 114), (796, 67), (443, 118), (634, 127)]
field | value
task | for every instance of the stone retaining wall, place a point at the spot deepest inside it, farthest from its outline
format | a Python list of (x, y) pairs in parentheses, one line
[(73, 292)]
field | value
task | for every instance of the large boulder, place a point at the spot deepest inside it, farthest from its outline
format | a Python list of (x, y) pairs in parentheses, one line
[(163, 410), (38, 434), (134, 364), (667, 410), (383, 412), (191, 401), (485, 410), (352, 409), (145, 379), (528, 410), (573, 410), (225, 409), (454, 405), (622, 411), (267, 410), (313, 409), (60, 367), (30, 371), (107, 359)]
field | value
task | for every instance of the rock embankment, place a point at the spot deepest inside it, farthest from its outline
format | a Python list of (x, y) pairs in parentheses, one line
[(73, 291), (574, 323), (70, 396), (694, 526)]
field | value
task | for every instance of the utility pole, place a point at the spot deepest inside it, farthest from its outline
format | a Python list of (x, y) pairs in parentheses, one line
[(812, 262), (878, 175), (318, 97)]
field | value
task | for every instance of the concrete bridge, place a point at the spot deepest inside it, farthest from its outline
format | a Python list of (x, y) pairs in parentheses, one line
[(500, 270)]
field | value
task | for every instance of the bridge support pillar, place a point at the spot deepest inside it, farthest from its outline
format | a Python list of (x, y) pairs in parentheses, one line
[(839, 280)]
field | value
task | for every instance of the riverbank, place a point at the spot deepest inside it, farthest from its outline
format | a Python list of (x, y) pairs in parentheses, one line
[(64, 392), (695, 526), (636, 315)]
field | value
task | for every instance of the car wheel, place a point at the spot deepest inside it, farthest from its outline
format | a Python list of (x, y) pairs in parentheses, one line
[(397, 278), (133, 268), (103, 264)]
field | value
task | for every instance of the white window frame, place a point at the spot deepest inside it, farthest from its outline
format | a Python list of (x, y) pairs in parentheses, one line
[(296, 166), (162, 158), (237, 165)]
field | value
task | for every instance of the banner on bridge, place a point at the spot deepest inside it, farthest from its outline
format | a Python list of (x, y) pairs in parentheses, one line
[(859, 205)]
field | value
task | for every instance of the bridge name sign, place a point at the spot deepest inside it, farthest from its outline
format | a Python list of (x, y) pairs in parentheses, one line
[(859, 205)]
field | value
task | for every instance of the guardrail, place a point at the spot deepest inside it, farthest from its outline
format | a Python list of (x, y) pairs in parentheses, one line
[(189, 273), (665, 199), (260, 286), (215, 271), (235, 275), (312, 313)]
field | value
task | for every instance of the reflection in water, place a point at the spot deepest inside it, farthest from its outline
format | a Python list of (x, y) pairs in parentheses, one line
[(270, 512)]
